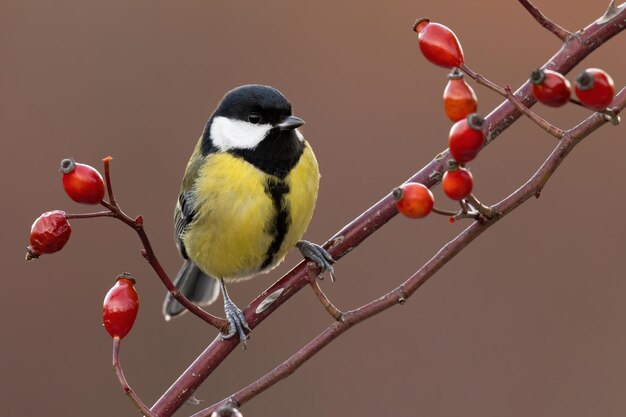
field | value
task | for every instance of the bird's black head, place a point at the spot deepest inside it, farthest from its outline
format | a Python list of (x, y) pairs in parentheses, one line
[(257, 104), (255, 122)]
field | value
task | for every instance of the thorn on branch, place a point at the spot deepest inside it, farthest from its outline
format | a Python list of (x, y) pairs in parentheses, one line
[(611, 12)]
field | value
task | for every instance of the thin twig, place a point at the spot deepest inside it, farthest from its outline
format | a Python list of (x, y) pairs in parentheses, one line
[(560, 32), (150, 256), (540, 121), (148, 253), (413, 283), (328, 305), (570, 54), (122, 379), (482, 80), (508, 94), (89, 215)]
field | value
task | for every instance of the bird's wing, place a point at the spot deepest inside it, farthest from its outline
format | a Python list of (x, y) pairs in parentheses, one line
[(183, 216)]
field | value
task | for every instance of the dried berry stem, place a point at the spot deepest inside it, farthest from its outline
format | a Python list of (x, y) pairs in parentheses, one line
[(413, 283), (122, 379), (571, 53), (107, 176), (560, 32), (485, 211)]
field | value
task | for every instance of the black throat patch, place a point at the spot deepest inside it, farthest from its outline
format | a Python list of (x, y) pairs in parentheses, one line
[(277, 189), (276, 155)]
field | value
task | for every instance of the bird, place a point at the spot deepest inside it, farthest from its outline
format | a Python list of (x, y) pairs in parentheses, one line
[(247, 196)]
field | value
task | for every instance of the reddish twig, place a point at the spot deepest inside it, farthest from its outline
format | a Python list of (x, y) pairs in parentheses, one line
[(89, 215), (120, 377), (540, 121), (571, 53), (401, 293), (334, 312), (560, 33), (508, 94), (137, 225), (107, 176)]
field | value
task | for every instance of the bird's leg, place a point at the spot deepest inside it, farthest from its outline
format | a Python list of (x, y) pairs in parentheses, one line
[(319, 255), (236, 320)]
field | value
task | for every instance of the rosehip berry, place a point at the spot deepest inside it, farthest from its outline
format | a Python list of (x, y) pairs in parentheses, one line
[(550, 88), (459, 99), (120, 307), (48, 234), (438, 43), (83, 183), (595, 88), (466, 138), (457, 183), (414, 200)]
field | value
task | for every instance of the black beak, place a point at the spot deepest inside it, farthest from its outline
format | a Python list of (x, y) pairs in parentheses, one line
[(290, 123)]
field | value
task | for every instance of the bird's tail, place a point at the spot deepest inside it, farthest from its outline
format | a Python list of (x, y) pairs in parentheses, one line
[(194, 284)]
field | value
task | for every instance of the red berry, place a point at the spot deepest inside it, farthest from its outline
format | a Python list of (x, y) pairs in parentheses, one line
[(459, 99), (438, 44), (550, 88), (414, 200), (466, 138), (120, 307), (81, 182), (595, 88), (48, 234), (457, 183)]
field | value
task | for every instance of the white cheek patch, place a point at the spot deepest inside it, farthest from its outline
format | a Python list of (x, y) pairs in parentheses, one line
[(299, 135), (229, 134)]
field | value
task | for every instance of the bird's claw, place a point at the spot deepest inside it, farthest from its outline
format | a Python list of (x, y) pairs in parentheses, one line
[(319, 255), (237, 323)]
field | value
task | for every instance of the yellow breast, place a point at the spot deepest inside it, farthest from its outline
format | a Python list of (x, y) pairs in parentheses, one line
[(237, 229)]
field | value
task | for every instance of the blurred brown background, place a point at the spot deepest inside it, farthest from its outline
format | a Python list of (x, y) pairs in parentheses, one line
[(528, 320)]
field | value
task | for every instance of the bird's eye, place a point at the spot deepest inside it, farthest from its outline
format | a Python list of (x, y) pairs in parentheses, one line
[(254, 118)]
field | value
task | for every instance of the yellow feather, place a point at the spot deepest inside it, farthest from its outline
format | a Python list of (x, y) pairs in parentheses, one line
[(229, 237)]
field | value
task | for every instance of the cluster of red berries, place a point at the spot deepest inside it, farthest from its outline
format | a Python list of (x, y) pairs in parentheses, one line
[(440, 46), (594, 88), (51, 231)]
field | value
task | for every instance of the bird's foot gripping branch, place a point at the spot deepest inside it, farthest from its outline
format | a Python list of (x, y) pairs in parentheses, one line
[(469, 133)]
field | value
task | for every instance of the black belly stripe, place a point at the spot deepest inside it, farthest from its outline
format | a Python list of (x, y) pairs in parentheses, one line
[(277, 189)]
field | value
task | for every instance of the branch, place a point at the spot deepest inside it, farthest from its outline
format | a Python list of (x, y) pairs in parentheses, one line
[(571, 53), (401, 293), (560, 33)]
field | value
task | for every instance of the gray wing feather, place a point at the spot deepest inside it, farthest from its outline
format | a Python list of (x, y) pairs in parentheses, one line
[(183, 216)]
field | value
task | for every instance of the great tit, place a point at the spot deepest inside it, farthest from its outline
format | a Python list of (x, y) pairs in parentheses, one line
[(246, 198)]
